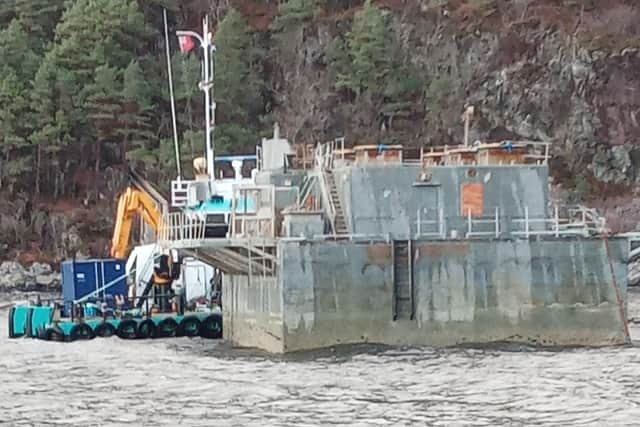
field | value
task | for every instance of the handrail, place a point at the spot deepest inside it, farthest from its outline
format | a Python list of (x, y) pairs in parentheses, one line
[(327, 201), (180, 226)]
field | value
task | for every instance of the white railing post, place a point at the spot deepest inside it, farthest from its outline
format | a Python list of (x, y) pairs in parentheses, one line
[(497, 222), (526, 221), (469, 226), (273, 210), (557, 221), (546, 153), (442, 226)]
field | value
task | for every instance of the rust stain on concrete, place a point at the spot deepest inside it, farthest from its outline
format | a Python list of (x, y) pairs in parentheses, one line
[(442, 249), (379, 254)]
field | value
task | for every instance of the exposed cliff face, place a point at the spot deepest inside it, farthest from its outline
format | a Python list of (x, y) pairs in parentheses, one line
[(44, 230), (560, 71), (533, 70)]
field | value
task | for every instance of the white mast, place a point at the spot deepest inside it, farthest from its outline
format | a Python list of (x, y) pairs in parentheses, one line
[(207, 86), (173, 105)]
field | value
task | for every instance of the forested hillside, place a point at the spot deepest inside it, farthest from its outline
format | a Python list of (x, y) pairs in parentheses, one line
[(83, 92)]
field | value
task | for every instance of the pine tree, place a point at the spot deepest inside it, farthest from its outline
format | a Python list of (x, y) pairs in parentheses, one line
[(17, 68), (39, 17), (188, 97), (7, 12), (238, 83), (103, 103), (293, 13), (134, 117), (16, 156), (367, 48), (16, 53)]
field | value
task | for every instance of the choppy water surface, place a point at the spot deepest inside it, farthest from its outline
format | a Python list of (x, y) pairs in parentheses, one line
[(198, 383)]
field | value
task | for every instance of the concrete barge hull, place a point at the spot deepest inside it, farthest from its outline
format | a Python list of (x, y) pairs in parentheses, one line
[(558, 292)]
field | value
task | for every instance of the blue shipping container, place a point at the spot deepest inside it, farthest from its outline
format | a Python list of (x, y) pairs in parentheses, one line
[(81, 278)]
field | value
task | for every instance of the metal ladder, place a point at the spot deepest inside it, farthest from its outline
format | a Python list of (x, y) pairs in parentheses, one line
[(403, 289), (340, 222)]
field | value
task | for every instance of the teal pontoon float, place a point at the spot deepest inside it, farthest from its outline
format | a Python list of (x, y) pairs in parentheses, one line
[(39, 322)]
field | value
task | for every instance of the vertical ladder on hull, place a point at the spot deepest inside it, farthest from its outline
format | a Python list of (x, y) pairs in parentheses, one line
[(403, 292), (340, 221)]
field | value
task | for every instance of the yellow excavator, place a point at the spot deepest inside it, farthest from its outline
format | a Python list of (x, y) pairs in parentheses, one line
[(132, 202), (141, 198)]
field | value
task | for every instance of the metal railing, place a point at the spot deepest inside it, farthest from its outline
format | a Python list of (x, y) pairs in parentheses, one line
[(181, 226), (568, 221), (306, 191), (431, 225), (259, 222)]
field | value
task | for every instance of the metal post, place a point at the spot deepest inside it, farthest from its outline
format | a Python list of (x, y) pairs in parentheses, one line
[(207, 86), (250, 261), (557, 221), (273, 213), (469, 227), (546, 153), (442, 224), (497, 222), (173, 105), (526, 221)]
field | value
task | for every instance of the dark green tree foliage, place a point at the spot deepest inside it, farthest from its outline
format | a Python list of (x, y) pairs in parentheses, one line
[(39, 18), (49, 122), (16, 54), (366, 51), (238, 85), (135, 121), (7, 12), (83, 87), (18, 65), (293, 13), (102, 105), (190, 100)]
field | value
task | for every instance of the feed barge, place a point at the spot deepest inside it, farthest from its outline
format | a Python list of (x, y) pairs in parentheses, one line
[(440, 247)]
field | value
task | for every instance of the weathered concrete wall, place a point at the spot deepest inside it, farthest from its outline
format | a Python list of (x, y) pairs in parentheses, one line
[(557, 292), (252, 312), (381, 200), (280, 178)]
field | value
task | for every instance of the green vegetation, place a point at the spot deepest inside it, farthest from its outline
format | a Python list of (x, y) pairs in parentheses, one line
[(83, 87), (239, 85), (363, 58)]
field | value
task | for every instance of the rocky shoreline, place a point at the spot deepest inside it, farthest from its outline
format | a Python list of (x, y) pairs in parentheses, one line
[(39, 277)]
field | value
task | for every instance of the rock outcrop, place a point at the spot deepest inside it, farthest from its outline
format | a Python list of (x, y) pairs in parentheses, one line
[(38, 277), (564, 73)]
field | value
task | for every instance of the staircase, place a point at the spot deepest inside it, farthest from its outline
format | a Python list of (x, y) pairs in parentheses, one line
[(245, 260), (403, 298), (339, 222)]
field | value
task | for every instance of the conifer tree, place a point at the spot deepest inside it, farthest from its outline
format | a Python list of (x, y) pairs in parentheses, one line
[(238, 84), (103, 103), (134, 116), (16, 69), (39, 18), (367, 49)]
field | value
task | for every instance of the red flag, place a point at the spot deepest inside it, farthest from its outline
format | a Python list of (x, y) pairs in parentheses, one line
[(186, 44)]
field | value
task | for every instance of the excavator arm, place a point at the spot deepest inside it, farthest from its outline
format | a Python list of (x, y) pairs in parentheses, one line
[(131, 202)]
